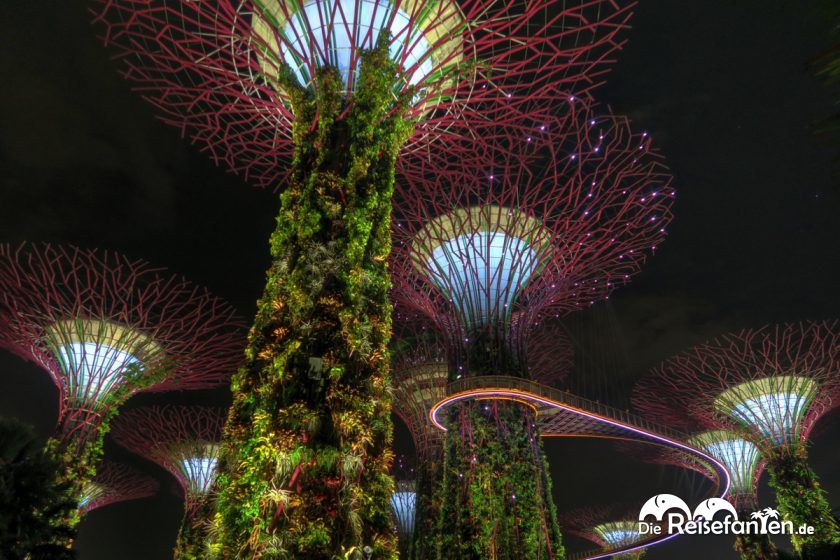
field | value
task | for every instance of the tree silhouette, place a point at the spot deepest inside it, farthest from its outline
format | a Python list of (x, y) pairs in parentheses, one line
[(34, 508)]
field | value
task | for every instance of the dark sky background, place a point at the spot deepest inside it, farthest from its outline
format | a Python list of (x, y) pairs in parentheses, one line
[(723, 86)]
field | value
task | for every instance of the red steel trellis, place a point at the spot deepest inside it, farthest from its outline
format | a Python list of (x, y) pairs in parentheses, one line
[(105, 327), (596, 522), (549, 353), (116, 482), (577, 203), (420, 371), (211, 67), (730, 383), (182, 439)]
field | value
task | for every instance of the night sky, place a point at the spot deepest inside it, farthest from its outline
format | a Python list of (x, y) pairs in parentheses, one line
[(723, 86)]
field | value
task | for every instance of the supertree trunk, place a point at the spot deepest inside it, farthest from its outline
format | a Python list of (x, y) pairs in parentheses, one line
[(755, 547), (428, 510), (496, 495), (801, 500), (194, 536), (305, 461)]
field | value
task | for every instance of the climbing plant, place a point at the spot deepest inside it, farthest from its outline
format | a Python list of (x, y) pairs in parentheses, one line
[(306, 456)]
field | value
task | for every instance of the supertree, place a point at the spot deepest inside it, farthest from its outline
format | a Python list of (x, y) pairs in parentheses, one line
[(535, 226), (106, 327), (741, 458), (420, 373), (745, 465), (404, 511), (115, 482), (771, 385), (322, 97), (184, 440), (607, 527)]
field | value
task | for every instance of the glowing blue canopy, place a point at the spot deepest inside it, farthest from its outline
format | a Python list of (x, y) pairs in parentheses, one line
[(740, 457), (93, 369), (200, 471), (773, 415), (343, 28), (772, 406), (618, 534), (403, 507), (482, 273)]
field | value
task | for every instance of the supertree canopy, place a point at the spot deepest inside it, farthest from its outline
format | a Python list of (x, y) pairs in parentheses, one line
[(106, 327), (419, 372), (227, 73), (607, 528), (745, 465), (772, 385), (741, 458), (549, 219), (321, 98), (115, 482), (185, 441), (403, 509), (540, 223)]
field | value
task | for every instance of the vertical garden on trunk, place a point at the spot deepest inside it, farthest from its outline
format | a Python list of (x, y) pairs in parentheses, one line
[(305, 463)]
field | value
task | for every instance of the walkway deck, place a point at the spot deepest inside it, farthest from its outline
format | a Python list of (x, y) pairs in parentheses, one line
[(561, 413)]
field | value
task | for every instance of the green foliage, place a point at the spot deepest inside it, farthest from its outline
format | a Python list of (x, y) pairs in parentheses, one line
[(306, 455), (35, 509), (755, 547), (196, 532), (801, 500), (427, 512), (496, 494)]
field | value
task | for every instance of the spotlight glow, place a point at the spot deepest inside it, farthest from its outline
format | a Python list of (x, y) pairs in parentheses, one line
[(482, 272), (739, 456), (93, 369), (200, 471), (354, 25)]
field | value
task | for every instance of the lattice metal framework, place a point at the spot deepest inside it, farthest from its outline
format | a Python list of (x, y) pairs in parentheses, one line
[(212, 68), (419, 371), (115, 482), (182, 439), (549, 353), (549, 218), (774, 382), (609, 527), (105, 327)]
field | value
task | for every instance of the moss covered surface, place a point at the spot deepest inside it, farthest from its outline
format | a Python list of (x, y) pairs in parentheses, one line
[(801, 500), (495, 492), (755, 547), (307, 449)]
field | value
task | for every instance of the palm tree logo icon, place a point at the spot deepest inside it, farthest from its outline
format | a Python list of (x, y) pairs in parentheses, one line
[(764, 515)]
